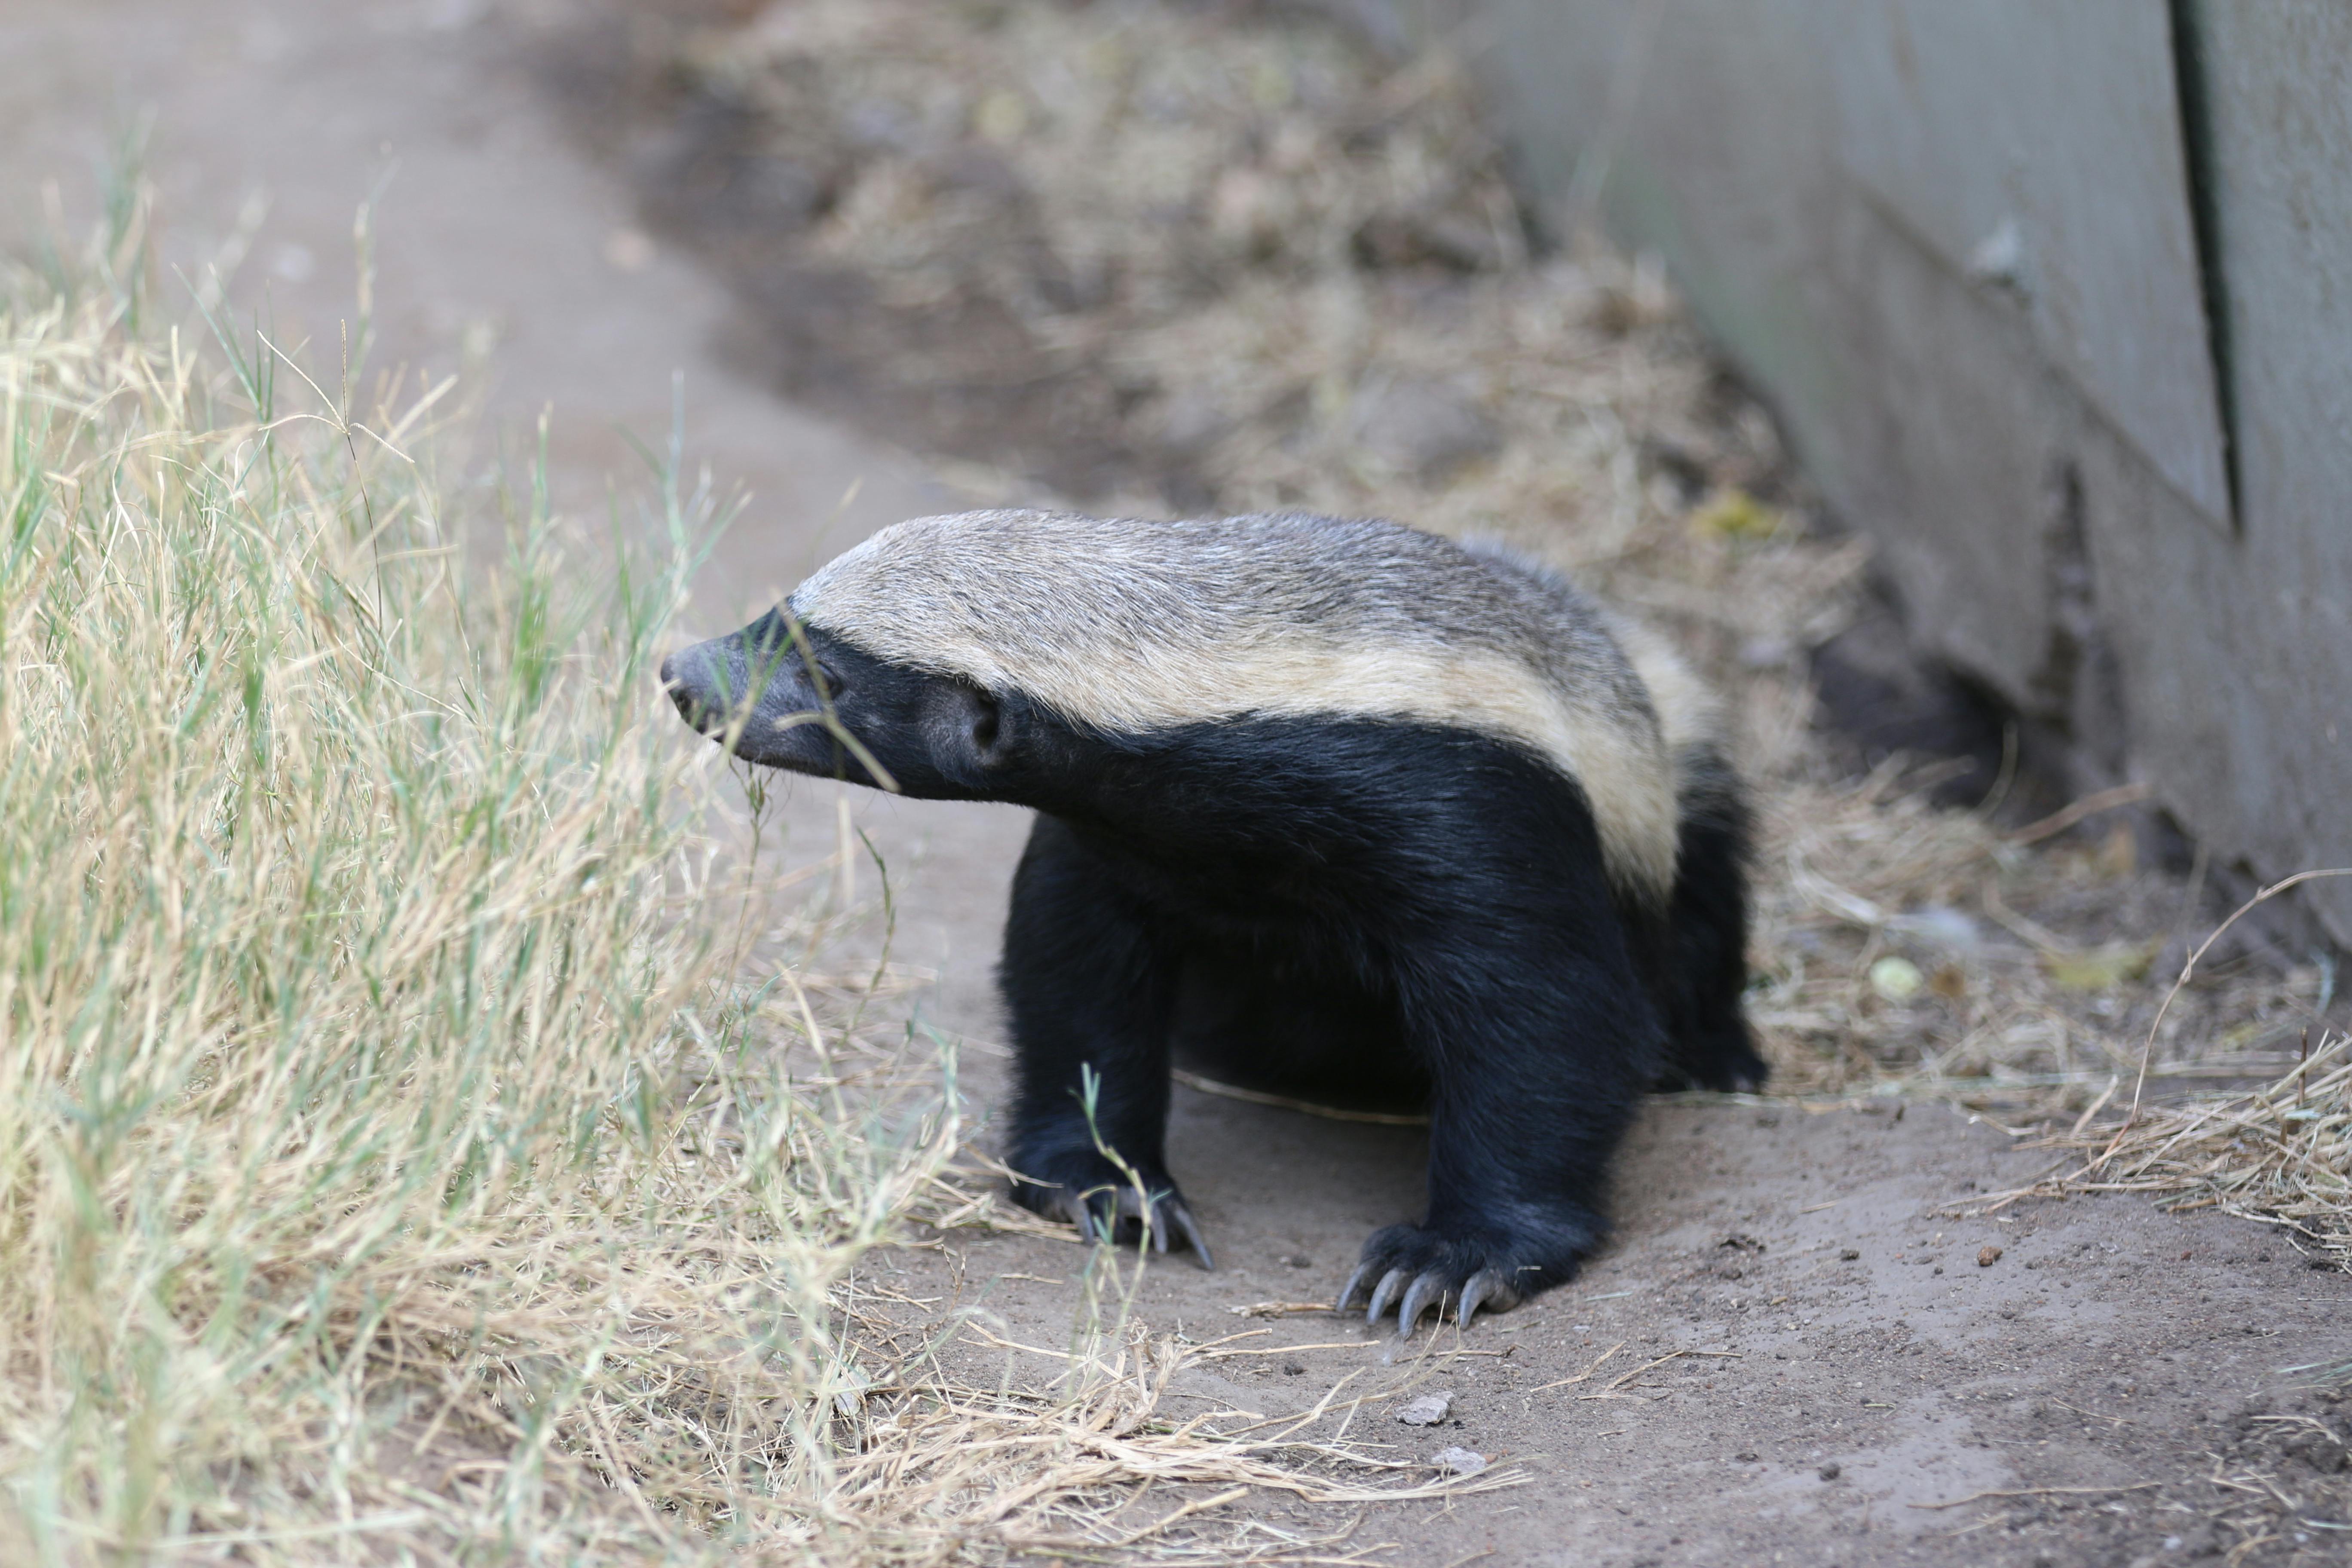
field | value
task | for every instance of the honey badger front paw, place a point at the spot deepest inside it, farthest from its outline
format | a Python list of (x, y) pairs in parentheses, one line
[(1091, 1192), (1419, 1270)]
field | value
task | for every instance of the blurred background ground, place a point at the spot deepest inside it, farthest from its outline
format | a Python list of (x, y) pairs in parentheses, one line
[(1150, 258)]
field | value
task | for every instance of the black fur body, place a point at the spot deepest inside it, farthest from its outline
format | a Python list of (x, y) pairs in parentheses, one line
[(1350, 904)]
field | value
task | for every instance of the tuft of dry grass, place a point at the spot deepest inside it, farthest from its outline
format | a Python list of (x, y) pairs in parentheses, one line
[(2280, 1153), (406, 1153)]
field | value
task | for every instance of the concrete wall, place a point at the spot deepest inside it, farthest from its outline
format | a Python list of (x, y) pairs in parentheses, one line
[(2055, 301)]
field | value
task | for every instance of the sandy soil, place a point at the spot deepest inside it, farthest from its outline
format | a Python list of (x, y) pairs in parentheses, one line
[(1848, 1363), (1862, 1363)]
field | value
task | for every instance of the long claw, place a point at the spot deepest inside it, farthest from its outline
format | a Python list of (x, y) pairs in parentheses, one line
[(1481, 1287), (1348, 1291), (1184, 1221), (1383, 1293), (1428, 1290)]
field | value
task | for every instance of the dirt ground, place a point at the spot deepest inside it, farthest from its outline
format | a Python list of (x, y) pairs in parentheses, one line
[(1794, 1352), (2092, 1396)]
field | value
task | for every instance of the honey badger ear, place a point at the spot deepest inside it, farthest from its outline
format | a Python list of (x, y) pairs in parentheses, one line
[(971, 732), (987, 727)]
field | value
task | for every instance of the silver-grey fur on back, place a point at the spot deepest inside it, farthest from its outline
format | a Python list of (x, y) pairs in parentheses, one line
[(1137, 626)]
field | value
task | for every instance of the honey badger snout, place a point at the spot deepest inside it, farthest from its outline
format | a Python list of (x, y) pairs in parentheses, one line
[(790, 696), (748, 680), (688, 678)]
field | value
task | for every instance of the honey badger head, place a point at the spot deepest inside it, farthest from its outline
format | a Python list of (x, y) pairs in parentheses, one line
[(980, 655)]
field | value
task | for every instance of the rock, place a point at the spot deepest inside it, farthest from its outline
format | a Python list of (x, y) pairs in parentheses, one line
[(2198, 1541), (1896, 979), (1426, 1411), (1422, 426), (1940, 926), (1987, 1256), (1458, 1461), (1389, 241), (1828, 1472)]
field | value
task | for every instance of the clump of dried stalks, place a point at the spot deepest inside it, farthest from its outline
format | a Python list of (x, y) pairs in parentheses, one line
[(2280, 1153), (397, 1163), (1896, 952)]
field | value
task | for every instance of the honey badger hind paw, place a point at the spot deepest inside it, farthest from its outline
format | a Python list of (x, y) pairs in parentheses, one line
[(1417, 1270), (1103, 1202)]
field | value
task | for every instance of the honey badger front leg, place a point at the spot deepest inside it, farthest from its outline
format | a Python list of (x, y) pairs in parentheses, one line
[(1539, 1036), (1090, 985)]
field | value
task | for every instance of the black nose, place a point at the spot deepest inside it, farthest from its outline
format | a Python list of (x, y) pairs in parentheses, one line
[(677, 677)]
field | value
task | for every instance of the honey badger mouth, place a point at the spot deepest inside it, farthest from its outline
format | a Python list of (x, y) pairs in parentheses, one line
[(756, 691)]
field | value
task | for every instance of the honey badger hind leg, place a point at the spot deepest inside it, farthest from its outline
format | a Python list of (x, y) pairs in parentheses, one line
[(1709, 1042), (1089, 985)]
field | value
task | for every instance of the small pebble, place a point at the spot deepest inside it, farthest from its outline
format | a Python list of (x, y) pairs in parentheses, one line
[(1746, 1456), (1987, 1257), (1426, 1411), (1458, 1461), (1828, 1472), (1849, 1254), (1896, 979), (1292, 1369)]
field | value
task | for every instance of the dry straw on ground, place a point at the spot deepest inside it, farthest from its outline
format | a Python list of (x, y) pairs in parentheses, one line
[(2280, 1154), (397, 1161)]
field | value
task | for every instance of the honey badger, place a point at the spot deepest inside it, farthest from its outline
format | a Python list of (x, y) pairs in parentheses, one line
[(1342, 805)]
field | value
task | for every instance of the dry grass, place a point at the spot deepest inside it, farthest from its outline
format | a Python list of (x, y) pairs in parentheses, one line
[(1906, 948), (401, 1159), (2280, 1154)]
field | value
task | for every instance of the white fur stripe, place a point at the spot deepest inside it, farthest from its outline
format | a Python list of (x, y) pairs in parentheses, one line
[(1137, 628)]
